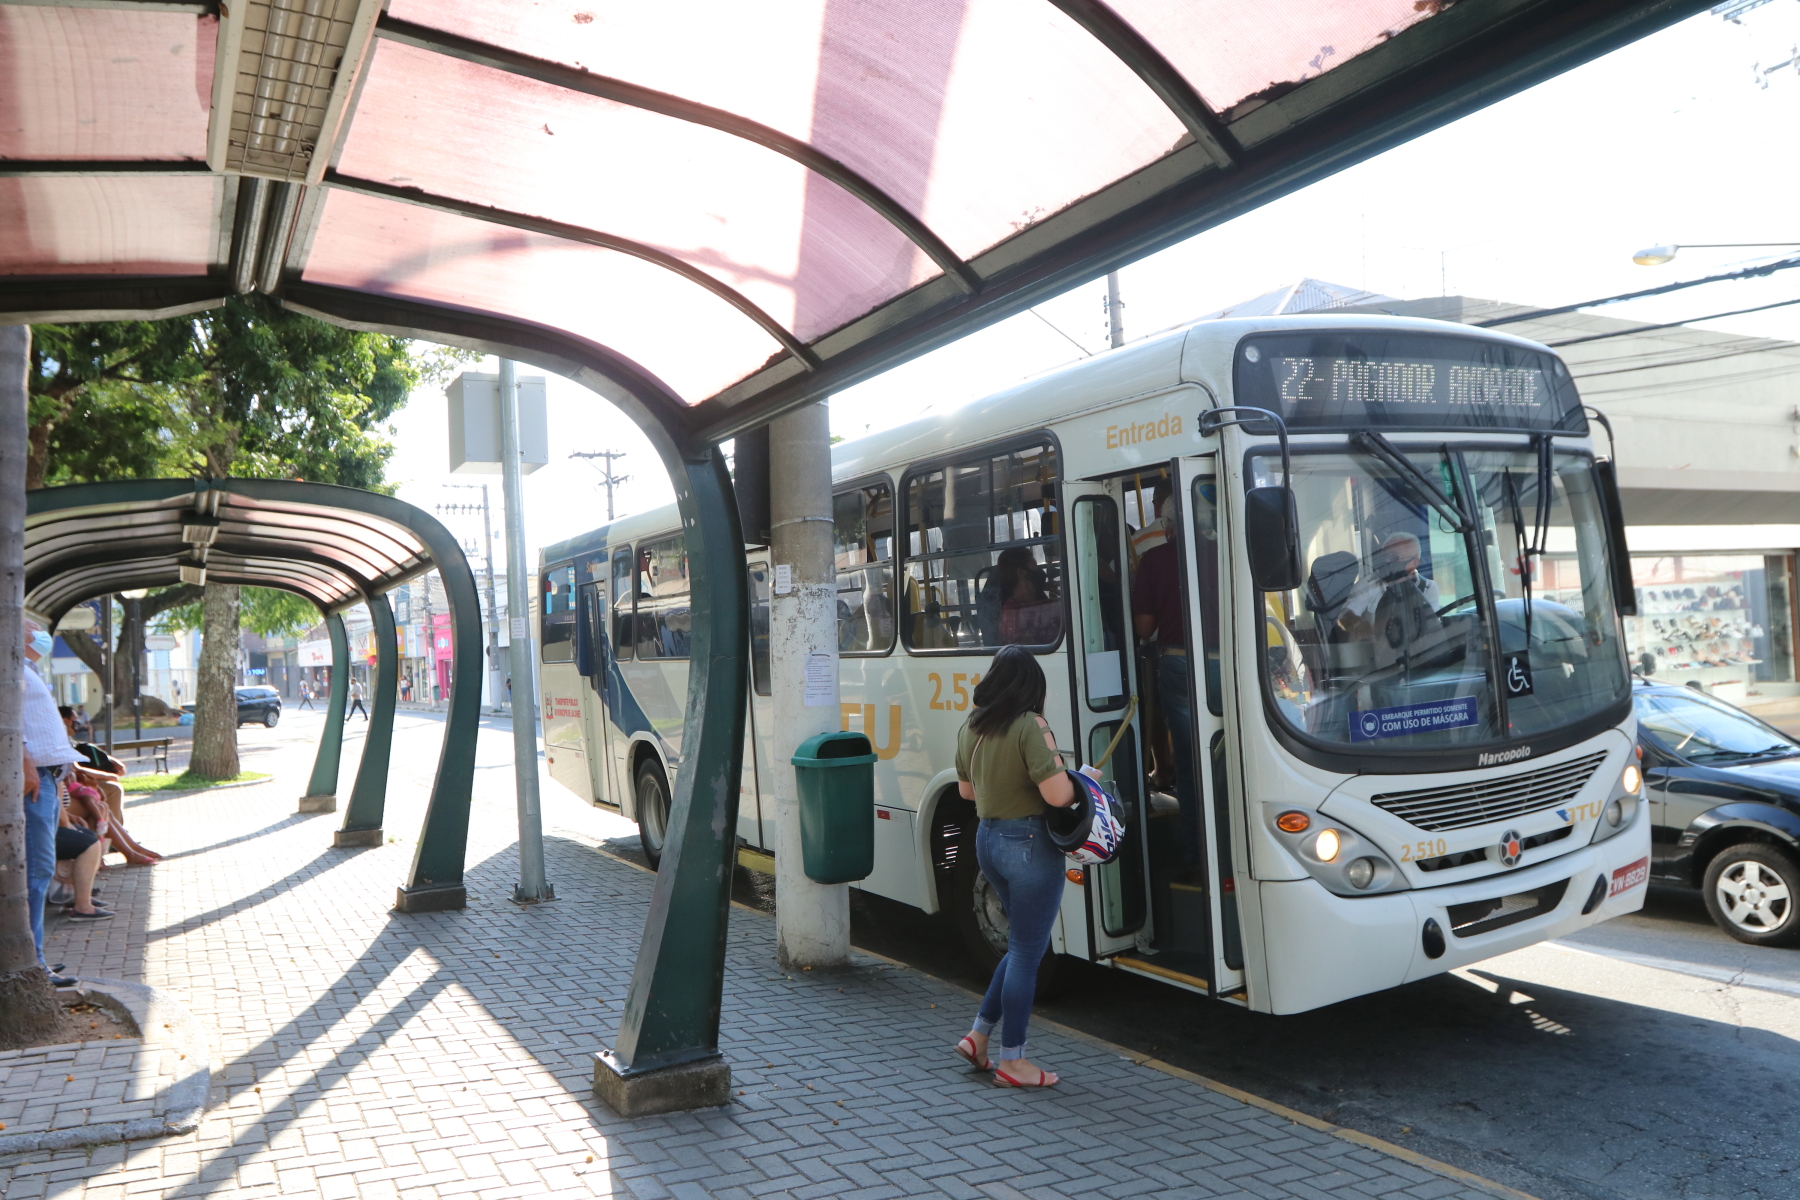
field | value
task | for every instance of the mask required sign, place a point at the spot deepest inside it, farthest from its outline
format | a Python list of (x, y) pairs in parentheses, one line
[(1372, 724)]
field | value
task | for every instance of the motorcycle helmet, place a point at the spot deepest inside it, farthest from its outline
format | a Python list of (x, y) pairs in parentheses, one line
[(1091, 829)]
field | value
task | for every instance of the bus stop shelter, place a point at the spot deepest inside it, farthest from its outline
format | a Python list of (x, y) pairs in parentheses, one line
[(709, 214), (336, 546)]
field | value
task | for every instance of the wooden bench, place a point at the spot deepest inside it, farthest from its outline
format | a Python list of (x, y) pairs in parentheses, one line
[(158, 747)]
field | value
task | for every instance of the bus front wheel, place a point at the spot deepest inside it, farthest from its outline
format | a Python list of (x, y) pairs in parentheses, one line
[(974, 906), (652, 810)]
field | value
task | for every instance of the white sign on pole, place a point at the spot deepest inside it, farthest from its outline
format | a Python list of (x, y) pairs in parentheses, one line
[(475, 424), (784, 578), (821, 681)]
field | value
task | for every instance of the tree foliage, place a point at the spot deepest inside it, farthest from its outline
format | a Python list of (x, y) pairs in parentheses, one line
[(247, 389), (266, 612)]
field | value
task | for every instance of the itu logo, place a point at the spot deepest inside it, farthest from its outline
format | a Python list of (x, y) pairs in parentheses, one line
[(1512, 848)]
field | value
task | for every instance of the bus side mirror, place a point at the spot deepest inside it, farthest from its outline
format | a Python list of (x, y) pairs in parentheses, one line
[(1272, 529), (1606, 478)]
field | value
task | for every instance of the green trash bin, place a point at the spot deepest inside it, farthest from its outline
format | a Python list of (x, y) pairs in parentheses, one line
[(835, 776)]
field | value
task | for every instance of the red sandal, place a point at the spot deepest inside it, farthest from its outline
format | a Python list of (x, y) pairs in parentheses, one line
[(965, 1050), (1045, 1079)]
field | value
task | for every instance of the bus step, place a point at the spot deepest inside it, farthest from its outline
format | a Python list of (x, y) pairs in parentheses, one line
[(756, 860), (1138, 966)]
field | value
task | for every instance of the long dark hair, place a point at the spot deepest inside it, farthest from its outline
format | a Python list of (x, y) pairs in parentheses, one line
[(1014, 684)]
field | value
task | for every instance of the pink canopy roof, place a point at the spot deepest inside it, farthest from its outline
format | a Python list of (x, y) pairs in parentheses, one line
[(739, 207)]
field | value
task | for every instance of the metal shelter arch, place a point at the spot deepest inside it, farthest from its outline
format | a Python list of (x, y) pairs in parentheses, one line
[(338, 547)]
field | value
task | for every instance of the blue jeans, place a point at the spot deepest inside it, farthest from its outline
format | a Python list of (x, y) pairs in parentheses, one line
[(1175, 692), (1027, 872), (41, 813)]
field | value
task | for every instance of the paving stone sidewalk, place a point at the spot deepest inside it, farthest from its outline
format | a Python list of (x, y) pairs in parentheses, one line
[(364, 1053)]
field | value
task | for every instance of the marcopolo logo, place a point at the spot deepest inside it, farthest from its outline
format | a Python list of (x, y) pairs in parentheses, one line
[(1502, 756)]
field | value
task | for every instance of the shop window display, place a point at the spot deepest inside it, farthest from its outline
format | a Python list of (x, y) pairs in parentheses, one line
[(1723, 622)]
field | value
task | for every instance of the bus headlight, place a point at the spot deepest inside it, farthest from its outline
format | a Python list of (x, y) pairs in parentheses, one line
[(1342, 861), (1619, 815), (1632, 779), (1615, 812)]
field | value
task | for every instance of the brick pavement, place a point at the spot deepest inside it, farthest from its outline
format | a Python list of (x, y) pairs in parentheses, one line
[(368, 1054)]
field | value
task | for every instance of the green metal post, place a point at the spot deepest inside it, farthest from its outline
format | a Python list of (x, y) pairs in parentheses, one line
[(671, 1017), (368, 797), (321, 789)]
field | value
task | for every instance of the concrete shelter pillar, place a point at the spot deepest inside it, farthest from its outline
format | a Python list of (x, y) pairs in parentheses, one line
[(812, 920)]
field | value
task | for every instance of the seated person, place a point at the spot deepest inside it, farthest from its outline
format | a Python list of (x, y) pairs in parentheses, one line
[(81, 849), (1016, 605)]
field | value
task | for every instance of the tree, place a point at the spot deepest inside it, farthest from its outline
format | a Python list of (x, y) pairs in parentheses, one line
[(27, 1003), (246, 389)]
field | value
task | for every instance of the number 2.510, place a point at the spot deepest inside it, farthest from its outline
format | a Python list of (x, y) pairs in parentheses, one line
[(960, 688)]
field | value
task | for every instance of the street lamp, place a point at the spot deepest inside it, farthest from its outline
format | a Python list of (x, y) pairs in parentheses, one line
[(1656, 256)]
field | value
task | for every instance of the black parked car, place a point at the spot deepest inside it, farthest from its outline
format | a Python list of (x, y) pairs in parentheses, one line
[(259, 704), (254, 704), (1724, 794)]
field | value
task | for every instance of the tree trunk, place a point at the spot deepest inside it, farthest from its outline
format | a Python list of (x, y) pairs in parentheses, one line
[(28, 1008), (215, 691)]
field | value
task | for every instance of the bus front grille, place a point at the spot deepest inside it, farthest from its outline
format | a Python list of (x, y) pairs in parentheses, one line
[(1469, 804)]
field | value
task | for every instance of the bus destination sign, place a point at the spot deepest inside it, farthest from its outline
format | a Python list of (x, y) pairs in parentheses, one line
[(1328, 381)]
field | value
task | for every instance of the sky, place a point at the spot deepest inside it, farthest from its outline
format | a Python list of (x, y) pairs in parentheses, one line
[(1540, 199)]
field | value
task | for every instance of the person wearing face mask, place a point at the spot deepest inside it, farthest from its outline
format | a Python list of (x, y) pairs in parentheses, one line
[(49, 754)]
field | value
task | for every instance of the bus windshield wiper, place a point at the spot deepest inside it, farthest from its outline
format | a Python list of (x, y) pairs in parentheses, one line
[(1531, 549), (1377, 446)]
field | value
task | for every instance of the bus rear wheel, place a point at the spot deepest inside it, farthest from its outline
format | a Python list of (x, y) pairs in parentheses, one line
[(974, 907), (652, 810)]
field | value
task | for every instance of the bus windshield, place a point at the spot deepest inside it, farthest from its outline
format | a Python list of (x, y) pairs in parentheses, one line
[(1443, 605)]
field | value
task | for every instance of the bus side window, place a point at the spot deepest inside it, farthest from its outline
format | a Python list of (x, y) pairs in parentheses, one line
[(862, 532), (622, 638), (556, 614), (984, 554), (664, 616), (759, 629)]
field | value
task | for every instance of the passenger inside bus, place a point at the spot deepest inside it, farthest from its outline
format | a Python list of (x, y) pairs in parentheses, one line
[(1016, 606), (1156, 608)]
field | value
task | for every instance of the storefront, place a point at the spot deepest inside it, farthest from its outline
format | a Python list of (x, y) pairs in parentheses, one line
[(441, 646), (1722, 622)]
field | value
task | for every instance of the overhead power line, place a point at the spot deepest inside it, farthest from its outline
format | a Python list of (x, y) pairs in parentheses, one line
[(1736, 312), (1746, 273)]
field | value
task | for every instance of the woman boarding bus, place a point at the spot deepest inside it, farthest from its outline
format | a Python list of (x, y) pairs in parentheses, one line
[(1381, 609)]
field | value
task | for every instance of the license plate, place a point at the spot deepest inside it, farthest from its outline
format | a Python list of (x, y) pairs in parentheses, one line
[(1626, 878)]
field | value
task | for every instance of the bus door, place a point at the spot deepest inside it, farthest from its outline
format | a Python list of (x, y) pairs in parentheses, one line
[(756, 803), (1100, 660), (1209, 893), (595, 658)]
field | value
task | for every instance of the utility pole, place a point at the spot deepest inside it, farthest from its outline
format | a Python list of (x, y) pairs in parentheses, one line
[(607, 478), (496, 682), (532, 886), (1115, 309), (812, 920)]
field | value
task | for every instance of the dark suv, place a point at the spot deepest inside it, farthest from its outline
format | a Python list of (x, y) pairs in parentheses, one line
[(259, 704), (1724, 794)]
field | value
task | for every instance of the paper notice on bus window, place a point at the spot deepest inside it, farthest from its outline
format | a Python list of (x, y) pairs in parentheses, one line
[(784, 578), (1105, 675), (821, 681)]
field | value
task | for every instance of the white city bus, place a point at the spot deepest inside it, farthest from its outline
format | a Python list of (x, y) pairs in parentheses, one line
[(1412, 737)]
